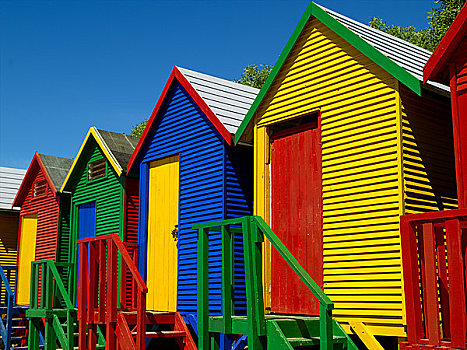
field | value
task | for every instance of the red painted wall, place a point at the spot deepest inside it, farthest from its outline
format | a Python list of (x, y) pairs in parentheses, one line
[(297, 218), (47, 210), (130, 229), (458, 82), (132, 207)]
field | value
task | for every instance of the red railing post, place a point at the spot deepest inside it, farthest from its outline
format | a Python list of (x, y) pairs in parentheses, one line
[(441, 258), (431, 285), (82, 295), (411, 281), (456, 283), (98, 290), (102, 279), (140, 322)]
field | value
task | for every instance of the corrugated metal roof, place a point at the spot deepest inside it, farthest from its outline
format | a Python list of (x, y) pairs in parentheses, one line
[(10, 181), (121, 145), (229, 101), (57, 168), (408, 56)]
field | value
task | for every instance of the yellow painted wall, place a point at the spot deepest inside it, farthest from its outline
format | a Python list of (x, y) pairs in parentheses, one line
[(362, 200), (27, 251), (429, 170), (162, 249), (8, 239)]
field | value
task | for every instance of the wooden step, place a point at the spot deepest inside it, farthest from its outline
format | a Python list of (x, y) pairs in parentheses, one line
[(299, 342), (19, 327), (163, 334), (152, 317)]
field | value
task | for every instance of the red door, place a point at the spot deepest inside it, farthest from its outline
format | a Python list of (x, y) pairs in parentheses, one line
[(297, 216)]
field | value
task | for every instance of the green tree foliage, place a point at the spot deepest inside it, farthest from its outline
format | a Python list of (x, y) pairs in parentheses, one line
[(255, 76), (137, 130), (252, 76), (439, 20)]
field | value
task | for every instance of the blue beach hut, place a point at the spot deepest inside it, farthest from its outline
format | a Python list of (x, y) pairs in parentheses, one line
[(191, 173)]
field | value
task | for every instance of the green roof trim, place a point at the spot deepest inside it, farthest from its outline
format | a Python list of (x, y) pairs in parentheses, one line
[(345, 33)]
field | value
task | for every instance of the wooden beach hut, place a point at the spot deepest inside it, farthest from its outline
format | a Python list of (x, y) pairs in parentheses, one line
[(190, 173), (44, 218), (104, 200), (346, 140)]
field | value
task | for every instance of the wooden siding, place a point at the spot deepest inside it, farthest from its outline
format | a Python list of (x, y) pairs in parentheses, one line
[(428, 150), (47, 210), (182, 129), (361, 201), (63, 245), (107, 192), (239, 202), (8, 238), (131, 207)]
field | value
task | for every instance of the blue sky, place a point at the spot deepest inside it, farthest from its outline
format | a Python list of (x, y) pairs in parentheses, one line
[(68, 65)]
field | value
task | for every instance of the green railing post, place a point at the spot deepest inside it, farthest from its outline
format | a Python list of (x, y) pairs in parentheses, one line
[(325, 328), (33, 336), (203, 289), (255, 314), (325, 304), (53, 297), (226, 279), (47, 279)]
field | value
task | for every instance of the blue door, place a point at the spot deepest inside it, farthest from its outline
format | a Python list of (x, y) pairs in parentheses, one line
[(87, 220), (86, 225)]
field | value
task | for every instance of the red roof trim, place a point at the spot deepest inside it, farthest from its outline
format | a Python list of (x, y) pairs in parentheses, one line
[(176, 74), (26, 181), (436, 64)]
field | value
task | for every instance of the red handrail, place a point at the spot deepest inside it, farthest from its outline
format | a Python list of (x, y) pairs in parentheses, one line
[(433, 244), (98, 289)]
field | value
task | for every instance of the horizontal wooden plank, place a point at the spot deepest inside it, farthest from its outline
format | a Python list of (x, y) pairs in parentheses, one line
[(394, 276), (365, 298), (362, 229), (362, 263), (373, 271), (371, 256)]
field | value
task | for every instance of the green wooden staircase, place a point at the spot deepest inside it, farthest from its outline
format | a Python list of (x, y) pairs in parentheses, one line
[(263, 331)]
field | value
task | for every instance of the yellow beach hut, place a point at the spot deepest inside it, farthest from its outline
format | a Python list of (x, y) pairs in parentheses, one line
[(346, 140)]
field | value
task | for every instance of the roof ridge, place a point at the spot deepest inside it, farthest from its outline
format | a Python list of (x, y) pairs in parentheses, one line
[(376, 31)]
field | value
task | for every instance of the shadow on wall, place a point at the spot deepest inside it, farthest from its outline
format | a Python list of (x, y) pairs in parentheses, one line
[(8, 238), (429, 167)]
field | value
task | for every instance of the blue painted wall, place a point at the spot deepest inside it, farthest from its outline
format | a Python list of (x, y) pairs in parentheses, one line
[(211, 188)]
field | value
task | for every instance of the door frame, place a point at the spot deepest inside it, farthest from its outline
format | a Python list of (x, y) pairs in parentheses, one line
[(18, 250), (314, 122), (73, 250)]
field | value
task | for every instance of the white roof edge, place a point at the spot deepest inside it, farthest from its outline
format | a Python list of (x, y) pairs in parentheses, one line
[(220, 80), (408, 46), (402, 41)]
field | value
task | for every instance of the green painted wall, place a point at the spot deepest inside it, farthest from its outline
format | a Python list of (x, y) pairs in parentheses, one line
[(107, 192)]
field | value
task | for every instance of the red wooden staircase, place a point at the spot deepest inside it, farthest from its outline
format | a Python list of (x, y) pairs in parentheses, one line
[(118, 309)]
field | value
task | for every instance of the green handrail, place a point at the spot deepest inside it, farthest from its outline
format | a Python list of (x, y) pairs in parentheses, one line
[(293, 263), (253, 228), (43, 305)]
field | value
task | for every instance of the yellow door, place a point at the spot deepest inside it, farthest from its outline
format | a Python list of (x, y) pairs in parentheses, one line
[(27, 253), (162, 248)]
